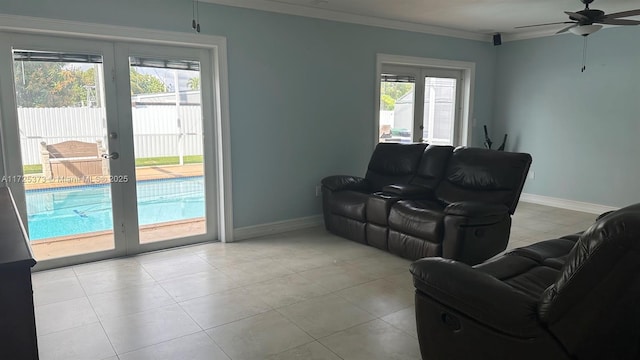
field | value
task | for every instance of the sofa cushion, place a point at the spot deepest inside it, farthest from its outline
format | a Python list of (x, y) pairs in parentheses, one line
[(432, 166), (483, 175), (420, 218), (544, 250), (411, 247), (350, 204), (393, 164), (523, 274)]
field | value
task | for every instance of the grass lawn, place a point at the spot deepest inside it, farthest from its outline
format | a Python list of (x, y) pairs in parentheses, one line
[(32, 169), (154, 161), (168, 160)]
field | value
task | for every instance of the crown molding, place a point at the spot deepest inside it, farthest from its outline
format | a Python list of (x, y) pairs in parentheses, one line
[(38, 25), (305, 11)]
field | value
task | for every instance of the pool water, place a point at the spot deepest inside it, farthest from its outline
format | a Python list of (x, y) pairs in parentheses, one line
[(75, 210)]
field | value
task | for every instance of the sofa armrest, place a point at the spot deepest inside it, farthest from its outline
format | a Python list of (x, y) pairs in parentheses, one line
[(408, 191), (345, 182), (476, 209), (477, 295)]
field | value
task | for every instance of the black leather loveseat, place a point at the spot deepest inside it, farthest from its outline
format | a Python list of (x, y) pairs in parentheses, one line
[(576, 297), (417, 201)]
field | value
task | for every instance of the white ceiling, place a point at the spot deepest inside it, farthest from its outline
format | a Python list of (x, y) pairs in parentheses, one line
[(474, 19)]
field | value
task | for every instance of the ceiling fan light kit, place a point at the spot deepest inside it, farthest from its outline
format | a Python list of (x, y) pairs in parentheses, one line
[(585, 30)]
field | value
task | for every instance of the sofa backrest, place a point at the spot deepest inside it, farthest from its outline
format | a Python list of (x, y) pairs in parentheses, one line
[(393, 163), (596, 298), (432, 165), (476, 174)]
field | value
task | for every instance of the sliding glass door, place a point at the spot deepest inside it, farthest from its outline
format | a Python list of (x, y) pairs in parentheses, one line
[(167, 127), (111, 155)]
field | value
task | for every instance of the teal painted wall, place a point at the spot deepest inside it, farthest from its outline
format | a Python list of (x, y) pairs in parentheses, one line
[(301, 91), (582, 129)]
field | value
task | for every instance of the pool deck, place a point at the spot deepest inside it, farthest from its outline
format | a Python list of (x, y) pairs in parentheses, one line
[(99, 241), (38, 181)]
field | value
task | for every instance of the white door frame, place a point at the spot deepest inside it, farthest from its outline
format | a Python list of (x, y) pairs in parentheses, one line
[(468, 70), (215, 45)]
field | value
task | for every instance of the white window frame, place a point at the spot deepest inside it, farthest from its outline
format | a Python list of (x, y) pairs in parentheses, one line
[(468, 69), (217, 45)]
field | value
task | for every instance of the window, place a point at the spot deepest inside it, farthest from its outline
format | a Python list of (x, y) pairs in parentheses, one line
[(440, 116)]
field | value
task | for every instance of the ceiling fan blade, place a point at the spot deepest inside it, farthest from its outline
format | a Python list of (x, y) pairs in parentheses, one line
[(577, 16), (567, 28), (623, 14), (554, 23), (608, 21)]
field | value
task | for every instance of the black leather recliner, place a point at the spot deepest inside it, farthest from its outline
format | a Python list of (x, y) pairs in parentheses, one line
[(570, 298), (468, 218), (344, 198), (419, 200)]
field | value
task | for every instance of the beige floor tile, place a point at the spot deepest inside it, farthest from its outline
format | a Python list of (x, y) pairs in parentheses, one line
[(176, 267), (197, 285), (259, 336), (80, 343), (380, 266), (129, 301), (43, 278), (378, 297), (133, 332), (198, 346), (64, 315), (336, 277), (222, 308), (404, 320), (114, 278), (285, 290), (312, 351), (99, 266), (55, 290), (255, 271), (375, 340), (325, 315)]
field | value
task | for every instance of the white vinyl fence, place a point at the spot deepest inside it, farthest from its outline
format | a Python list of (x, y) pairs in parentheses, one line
[(158, 131)]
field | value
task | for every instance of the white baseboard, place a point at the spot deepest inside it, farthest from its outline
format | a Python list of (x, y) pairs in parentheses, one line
[(277, 227), (566, 204)]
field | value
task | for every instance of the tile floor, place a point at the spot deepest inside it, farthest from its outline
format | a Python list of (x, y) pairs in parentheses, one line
[(301, 295)]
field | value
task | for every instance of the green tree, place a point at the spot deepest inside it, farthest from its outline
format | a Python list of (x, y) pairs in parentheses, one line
[(50, 84), (194, 83), (145, 83), (390, 92)]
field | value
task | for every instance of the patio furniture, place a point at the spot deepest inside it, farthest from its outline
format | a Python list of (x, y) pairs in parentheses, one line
[(73, 159)]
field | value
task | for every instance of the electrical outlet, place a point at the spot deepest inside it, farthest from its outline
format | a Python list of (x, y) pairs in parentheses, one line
[(531, 175), (318, 190)]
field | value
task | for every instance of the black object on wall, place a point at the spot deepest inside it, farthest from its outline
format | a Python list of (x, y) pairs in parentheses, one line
[(488, 143), (497, 39)]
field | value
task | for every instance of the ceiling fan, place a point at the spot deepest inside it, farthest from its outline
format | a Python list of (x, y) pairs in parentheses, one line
[(587, 21)]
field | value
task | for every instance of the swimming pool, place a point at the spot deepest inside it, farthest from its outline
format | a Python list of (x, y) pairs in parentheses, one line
[(83, 209)]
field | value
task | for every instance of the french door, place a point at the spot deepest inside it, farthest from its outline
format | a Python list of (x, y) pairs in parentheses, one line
[(419, 104), (105, 145)]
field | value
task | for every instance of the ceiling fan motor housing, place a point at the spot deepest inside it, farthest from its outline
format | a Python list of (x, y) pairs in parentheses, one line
[(591, 16)]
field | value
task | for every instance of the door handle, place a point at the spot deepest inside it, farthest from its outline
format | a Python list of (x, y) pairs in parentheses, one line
[(113, 155)]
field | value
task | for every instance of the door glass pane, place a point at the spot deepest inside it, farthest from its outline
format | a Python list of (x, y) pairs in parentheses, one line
[(397, 93), (167, 127), (439, 110), (62, 129)]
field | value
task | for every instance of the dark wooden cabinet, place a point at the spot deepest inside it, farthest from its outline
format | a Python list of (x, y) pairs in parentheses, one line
[(17, 321)]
